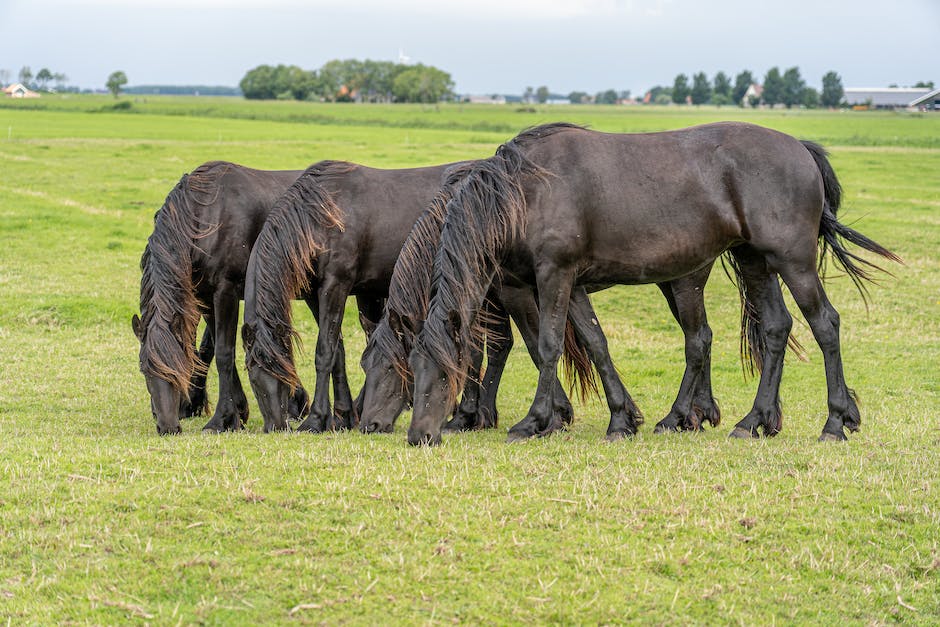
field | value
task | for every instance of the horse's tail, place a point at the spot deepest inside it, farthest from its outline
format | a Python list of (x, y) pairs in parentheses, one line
[(485, 215), (832, 232), (168, 304), (284, 258), (579, 371), (831, 236), (752, 345)]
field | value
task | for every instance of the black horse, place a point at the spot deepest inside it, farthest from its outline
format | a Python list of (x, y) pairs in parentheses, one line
[(344, 224), (194, 264), (388, 386), (560, 206)]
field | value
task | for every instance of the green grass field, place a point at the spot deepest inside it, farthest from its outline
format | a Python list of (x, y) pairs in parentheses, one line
[(103, 522)]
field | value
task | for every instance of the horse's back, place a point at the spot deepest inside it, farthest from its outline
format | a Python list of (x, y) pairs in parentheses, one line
[(671, 200)]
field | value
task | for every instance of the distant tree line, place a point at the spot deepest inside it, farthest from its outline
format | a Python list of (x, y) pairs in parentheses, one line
[(348, 80), (787, 88), (182, 90)]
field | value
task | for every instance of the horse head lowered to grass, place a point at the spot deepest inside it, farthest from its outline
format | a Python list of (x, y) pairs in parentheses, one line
[(194, 265)]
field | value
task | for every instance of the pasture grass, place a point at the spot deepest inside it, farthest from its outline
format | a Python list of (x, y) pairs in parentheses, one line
[(103, 522)]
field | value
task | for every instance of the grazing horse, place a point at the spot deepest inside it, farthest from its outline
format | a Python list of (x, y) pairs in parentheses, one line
[(345, 224), (194, 264), (575, 207), (342, 224), (388, 385)]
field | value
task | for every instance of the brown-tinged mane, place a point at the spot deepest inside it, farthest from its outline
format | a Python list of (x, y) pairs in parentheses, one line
[(485, 215), (410, 288), (285, 256), (168, 305)]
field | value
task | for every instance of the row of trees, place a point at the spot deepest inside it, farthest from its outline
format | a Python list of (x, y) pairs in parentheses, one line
[(347, 80), (787, 88), (40, 81)]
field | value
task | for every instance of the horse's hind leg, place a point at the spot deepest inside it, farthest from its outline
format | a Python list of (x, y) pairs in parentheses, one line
[(767, 334), (823, 319), (694, 403)]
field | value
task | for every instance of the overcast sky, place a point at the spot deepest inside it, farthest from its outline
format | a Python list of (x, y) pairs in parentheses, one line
[(488, 46)]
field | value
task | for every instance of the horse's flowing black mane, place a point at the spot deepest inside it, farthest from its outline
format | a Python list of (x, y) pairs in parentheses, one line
[(410, 289), (286, 252), (485, 214), (168, 305)]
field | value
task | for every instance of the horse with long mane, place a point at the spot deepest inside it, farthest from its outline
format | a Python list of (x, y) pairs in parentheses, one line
[(388, 384), (566, 206), (194, 265), (344, 224)]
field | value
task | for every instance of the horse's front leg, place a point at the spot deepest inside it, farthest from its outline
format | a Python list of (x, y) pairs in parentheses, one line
[(625, 417), (524, 311), (465, 416), (331, 302), (231, 412), (554, 288), (498, 347)]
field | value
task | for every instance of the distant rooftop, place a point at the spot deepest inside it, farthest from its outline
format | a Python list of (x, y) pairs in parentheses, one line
[(885, 97)]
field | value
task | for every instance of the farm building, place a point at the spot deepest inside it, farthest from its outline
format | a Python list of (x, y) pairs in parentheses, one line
[(928, 102), (18, 90), (884, 97)]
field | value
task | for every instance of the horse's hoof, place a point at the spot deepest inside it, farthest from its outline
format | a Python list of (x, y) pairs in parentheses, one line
[(663, 427), (616, 436), (312, 426), (742, 434), (832, 437), (518, 436)]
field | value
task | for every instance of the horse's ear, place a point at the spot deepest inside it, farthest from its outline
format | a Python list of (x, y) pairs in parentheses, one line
[(395, 322), (282, 335), (138, 328), (177, 327), (367, 325), (248, 336), (454, 325)]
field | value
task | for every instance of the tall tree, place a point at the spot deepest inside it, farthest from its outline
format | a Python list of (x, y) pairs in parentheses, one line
[(701, 89), (793, 86), (722, 85), (541, 94), (422, 83), (742, 82), (607, 97), (832, 91), (773, 87), (579, 97), (43, 77), (680, 89), (116, 81), (26, 75)]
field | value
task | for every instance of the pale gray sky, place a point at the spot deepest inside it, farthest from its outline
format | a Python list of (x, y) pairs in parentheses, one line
[(488, 46)]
